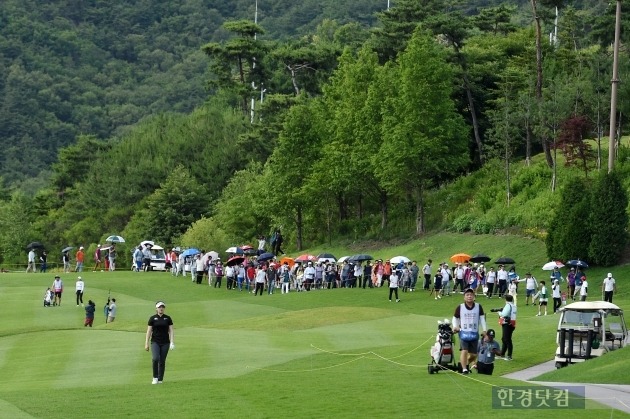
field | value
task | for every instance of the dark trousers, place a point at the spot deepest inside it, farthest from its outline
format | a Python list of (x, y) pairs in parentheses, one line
[(557, 302), (199, 276), (427, 281), (217, 281), (507, 348), (231, 282), (608, 296), (490, 289), (259, 286), (502, 287), (79, 297), (391, 291), (159, 351), (459, 282), (483, 368)]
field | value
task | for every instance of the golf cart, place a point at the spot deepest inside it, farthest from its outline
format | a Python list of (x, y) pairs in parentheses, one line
[(588, 329), (158, 258)]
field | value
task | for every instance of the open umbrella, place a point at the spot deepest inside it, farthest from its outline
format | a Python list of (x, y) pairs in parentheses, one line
[(235, 260), (66, 249), (550, 266), (360, 258), (147, 243), (34, 245), (397, 259), (115, 239), (343, 259), (577, 263), (289, 261), (305, 258), (234, 250), (505, 261), (190, 252), (265, 256), (460, 258), (479, 258), (210, 256)]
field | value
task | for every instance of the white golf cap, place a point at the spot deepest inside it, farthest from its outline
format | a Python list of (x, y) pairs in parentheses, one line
[(609, 275), (79, 278), (160, 304)]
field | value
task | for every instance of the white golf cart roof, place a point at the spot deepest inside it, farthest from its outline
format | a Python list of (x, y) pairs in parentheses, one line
[(591, 305)]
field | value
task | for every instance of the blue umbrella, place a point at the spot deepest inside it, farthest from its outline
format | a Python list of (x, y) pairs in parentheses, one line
[(578, 263), (190, 252), (265, 256)]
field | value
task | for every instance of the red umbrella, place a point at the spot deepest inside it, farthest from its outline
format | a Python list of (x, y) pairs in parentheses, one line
[(246, 247), (306, 258), (235, 260)]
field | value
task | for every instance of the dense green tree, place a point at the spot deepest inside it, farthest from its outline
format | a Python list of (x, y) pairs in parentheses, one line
[(15, 229), (290, 165), (424, 138), (174, 206), (608, 220), (570, 231)]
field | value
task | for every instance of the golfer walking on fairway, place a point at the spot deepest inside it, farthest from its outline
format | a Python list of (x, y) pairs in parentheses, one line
[(161, 338)]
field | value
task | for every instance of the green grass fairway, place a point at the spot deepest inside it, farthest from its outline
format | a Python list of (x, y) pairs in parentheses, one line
[(326, 353)]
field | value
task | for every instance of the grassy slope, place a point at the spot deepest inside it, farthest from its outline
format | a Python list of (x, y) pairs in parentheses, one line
[(348, 353)]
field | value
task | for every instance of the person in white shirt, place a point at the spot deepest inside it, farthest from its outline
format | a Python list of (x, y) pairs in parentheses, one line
[(469, 321), (609, 287), (262, 242), (502, 277), (31, 261), (309, 276), (111, 312), (80, 286), (513, 290), (426, 271), (230, 275), (543, 298), (57, 288), (446, 280), (530, 287), (491, 278), (261, 278), (584, 290), (393, 285), (459, 274), (556, 294)]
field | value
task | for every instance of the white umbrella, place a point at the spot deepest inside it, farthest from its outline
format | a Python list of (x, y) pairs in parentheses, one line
[(115, 239), (550, 266), (397, 259), (147, 242), (234, 250), (343, 259), (210, 256)]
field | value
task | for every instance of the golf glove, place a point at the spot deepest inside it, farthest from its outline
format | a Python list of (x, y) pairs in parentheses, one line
[(172, 346)]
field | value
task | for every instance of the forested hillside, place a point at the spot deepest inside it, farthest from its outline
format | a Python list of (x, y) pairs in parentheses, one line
[(70, 67), (356, 127)]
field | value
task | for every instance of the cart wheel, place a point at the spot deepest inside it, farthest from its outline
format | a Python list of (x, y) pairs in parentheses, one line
[(430, 367), (560, 365)]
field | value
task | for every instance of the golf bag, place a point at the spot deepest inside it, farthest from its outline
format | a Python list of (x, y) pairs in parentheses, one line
[(442, 352)]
